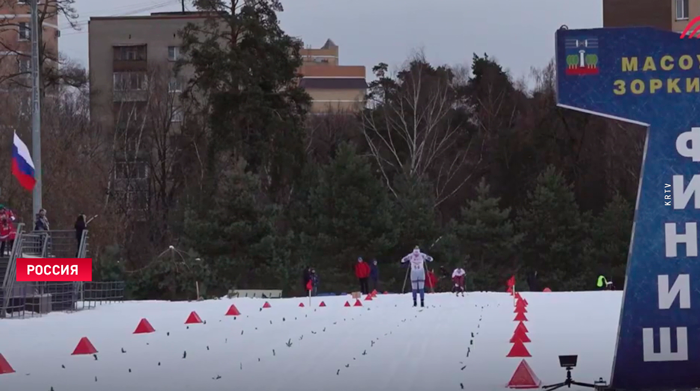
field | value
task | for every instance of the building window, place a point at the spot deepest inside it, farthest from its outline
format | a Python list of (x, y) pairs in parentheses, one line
[(177, 115), (173, 53), (174, 85), (129, 81), (24, 65), (23, 31), (131, 170), (682, 9), (130, 53)]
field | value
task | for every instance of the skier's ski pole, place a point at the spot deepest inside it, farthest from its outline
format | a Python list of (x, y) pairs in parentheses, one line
[(403, 289)]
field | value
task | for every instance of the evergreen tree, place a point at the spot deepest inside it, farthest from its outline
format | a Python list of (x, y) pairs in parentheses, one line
[(246, 82), (554, 233), (231, 230), (611, 232), (350, 216), (488, 239)]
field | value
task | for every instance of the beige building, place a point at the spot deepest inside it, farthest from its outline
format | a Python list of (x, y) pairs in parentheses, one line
[(15, 41), (333, 87), (671, 15)]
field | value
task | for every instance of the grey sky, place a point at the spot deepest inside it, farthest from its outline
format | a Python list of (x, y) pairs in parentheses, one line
[(519, 33)]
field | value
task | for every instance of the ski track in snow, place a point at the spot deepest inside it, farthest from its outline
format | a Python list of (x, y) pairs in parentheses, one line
[(384, 345)]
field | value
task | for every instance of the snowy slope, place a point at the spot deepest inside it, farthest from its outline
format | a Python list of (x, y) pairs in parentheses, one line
[(384, 345)]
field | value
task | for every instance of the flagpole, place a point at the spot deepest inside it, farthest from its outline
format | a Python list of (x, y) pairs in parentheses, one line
[(36, 107)]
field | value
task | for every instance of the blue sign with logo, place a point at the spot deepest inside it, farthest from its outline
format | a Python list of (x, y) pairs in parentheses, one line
[(652, 78)]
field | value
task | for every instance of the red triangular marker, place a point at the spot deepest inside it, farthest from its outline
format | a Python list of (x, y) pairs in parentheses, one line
[(233, 311), (518, 350), (521, 326), (84, 347), (368, 298), (5, 366), (386, 292), (267, 305), (358, 303), (322, 304), (520, 335), (301, 304), (193, 318), (374, 292), (520, 310), (524, 378), (346, 304), (144, 327), (520, 317)]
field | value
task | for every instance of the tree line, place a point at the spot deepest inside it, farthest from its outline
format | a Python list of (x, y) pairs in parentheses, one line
[(479, 170)]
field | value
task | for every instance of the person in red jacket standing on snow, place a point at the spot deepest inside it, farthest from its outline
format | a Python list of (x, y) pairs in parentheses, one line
[(362, 272)]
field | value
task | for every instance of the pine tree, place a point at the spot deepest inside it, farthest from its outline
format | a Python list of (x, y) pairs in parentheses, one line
[(554, 233), (488, 239), (350, 215), (245, 81), (611, 232)]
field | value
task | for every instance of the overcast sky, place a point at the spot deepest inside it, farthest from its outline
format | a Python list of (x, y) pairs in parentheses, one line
[(519, 33)]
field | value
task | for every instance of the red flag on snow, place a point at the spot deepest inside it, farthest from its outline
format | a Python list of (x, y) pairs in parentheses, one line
[(511, 282), (309, 286)]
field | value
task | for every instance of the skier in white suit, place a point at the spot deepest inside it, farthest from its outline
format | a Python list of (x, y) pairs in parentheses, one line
[(416, 259)]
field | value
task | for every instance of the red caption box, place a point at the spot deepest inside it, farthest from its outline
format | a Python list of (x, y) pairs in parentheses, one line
[(54, 269)]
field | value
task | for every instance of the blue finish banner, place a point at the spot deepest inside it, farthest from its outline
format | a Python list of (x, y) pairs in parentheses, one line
[(652, 78)]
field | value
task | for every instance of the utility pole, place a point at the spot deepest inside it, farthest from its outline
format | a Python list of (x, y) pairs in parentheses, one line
[(36, 106), (183, 6)]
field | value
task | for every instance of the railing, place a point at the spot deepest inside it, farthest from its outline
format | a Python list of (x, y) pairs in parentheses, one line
[(8, 281), (36, 299)]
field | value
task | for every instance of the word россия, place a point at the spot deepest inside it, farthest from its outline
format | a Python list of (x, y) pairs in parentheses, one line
[(54, 269)]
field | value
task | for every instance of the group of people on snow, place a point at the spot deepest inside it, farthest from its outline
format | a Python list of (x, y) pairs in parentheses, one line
[(367, 275)]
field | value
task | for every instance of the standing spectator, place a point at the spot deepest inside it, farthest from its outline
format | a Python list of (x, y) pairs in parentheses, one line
[(314, 282), (4, 211), (42, 222), (79, 228), (362, 272), (374, 274), (533, 283), (306, 277), (5, 231), (432, 280)]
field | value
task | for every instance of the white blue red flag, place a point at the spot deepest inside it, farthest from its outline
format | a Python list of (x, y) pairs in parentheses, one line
[(22, 164)]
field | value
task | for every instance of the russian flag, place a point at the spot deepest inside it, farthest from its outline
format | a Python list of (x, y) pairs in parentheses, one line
[(22, 164)]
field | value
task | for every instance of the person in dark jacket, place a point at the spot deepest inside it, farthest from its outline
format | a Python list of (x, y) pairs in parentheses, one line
[(41, 223), (79, 228), (374, 274), (313, 276), (362, 272), (533, 283)]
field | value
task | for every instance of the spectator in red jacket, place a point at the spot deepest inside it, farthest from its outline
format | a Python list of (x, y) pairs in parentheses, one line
[(362, 271), (432, 280)]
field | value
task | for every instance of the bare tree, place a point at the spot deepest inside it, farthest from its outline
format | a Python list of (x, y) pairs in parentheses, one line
[(418, 126), (154, 152)]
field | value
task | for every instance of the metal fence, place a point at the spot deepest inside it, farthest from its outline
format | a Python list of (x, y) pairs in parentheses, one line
[(36, 299)]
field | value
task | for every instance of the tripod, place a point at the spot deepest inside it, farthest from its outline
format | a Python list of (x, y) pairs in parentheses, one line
[(568, 382)]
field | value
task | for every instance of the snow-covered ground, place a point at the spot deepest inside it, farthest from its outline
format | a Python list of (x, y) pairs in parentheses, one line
[(383, 345)]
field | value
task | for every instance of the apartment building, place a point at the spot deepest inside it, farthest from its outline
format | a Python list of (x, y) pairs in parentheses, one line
[(134, 92), (333, 87), (15, 40), (671, 15)]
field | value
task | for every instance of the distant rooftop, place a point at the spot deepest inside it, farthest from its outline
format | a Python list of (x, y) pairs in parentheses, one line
[(157, 15)]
